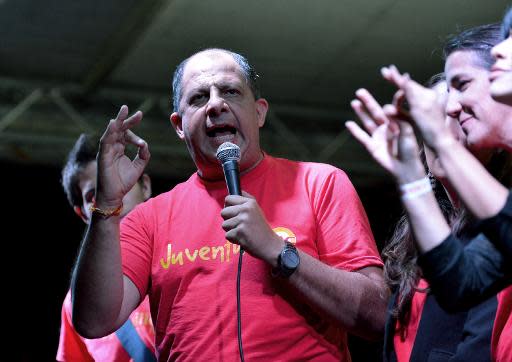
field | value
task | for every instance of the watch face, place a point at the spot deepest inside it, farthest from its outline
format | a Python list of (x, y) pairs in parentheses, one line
[(290, 259)]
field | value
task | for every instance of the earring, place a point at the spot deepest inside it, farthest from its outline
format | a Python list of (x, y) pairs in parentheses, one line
[(432, 179)]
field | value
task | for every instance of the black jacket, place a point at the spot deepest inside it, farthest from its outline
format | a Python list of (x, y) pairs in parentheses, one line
[(442, 336)]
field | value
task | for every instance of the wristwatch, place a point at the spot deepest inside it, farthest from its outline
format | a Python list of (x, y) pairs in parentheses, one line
[(287, 262)]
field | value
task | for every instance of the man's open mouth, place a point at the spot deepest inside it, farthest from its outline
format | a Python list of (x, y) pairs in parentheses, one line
[(221, 131)]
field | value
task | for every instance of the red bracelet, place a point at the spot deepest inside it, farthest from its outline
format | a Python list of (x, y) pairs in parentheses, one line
[(106, 213)]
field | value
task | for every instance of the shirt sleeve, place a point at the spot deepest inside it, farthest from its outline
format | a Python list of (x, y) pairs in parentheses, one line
[(71, 345), (462, 277), (475, 344), (344, 236), (499, 228), (136, 246)]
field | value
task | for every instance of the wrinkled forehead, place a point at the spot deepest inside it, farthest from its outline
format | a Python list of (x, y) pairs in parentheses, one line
[(210, 66)]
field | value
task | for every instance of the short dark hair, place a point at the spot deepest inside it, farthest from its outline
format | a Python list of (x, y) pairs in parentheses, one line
[(506, 23), (479, 40), (247, 69), (435, 79), (83, 152)]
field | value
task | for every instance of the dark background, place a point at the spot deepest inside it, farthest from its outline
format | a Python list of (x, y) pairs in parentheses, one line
[(41, 236), (67, 66)]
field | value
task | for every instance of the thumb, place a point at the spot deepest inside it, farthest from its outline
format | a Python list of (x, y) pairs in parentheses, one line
[(407, 143)]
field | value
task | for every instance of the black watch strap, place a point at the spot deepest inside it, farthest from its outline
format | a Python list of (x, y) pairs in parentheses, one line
[(287, 262)]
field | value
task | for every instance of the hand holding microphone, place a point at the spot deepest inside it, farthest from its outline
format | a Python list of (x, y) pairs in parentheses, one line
[(244, 221)]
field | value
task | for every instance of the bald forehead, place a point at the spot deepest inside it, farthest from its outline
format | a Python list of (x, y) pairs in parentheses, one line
[(210, 59)]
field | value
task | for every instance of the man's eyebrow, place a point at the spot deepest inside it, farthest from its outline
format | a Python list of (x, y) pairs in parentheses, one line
[(225, 85), (195, 89)]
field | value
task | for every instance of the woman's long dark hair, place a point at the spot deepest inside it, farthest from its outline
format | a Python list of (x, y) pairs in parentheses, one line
[(401, 271), (400, 254)]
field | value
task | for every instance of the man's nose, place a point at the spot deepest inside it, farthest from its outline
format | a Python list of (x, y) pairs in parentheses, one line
[(216, 104)]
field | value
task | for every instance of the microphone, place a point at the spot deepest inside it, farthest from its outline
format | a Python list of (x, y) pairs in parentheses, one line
[(228, 155)]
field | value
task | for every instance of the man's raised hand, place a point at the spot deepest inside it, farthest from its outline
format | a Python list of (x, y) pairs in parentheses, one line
[(117, 173)]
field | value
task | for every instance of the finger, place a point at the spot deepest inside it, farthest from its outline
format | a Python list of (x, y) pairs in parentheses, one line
[(142, 158), (392, 75), (229, 224), (407, 138), (121, 116), (133, 139), (232, 236), (143, 152), (232, 200), (131, 121), (372, 106), (391, 134), (394, 113), (408, 145), (368, 123), (114, 126), (391, 113), (400, 102), (399, 98), (412, 88), (406, 129), (390, 110), (228, 212), (391, 140), (359, 134)]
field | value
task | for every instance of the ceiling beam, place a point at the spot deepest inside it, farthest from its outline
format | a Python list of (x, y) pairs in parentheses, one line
[(121, 42), (20, 108)]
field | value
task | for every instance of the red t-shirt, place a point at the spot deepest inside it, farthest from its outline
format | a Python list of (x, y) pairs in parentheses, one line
[(502, 330), (73, 347), (403, 347), (174, 248)]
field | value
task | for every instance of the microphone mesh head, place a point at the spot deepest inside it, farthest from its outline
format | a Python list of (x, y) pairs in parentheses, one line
[(228, 152)]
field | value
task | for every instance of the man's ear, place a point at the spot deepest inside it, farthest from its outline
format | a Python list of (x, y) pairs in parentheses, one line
[(78, 210), (146, 186), (178, 125), (261, 111)]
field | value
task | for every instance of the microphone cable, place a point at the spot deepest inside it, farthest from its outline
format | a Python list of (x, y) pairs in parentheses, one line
[(238, 306)]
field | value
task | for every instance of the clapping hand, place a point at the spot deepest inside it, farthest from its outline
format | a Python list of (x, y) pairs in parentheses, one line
[(389, 139)]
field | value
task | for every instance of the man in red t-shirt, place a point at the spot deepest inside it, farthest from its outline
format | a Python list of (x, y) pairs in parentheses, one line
[(311, 271), (135, 341)]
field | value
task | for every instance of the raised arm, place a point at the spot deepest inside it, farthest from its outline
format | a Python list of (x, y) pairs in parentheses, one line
[(393, 145), (102, 297), (479, 191), (464, 276)]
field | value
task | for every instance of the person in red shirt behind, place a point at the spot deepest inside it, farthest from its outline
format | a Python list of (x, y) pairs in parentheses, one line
[(134, 341), (311, 270)]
